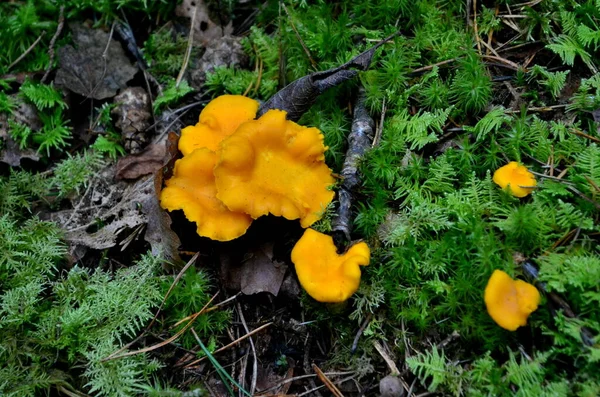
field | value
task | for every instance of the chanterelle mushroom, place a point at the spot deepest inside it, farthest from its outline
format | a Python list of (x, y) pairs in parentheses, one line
[(192, 189), (325, 275), (219, 119), (516, 177), (272, 165), (510, 302)]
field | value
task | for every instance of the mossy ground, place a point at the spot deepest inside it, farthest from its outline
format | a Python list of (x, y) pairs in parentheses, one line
[(463, 89)]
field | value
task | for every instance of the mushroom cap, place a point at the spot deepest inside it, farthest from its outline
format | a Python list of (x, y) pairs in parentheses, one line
[(325, 275), (517, 177), (272, 165), (192, 189), (509, 302), (219, 119)]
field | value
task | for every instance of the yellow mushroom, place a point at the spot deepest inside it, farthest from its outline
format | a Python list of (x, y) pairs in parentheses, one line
[(219, 119), (192, 189), (516, 177), (272, 165), (510, 302), (325, 275)]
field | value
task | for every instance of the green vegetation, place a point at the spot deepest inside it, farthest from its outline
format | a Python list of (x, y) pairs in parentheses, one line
[(452, 112)]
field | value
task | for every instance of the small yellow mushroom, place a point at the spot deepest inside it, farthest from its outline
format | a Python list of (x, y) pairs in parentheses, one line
[(516, 177), (510, 302), (325, 275)]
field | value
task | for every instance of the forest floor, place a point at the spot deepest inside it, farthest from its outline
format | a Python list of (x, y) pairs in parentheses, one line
[(103, 292)]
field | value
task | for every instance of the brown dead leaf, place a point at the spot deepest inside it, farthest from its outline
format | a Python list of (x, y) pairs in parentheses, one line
[(256, 272), (147, 162), (86, 70), (108, 209), (205, 29), (133, 118)]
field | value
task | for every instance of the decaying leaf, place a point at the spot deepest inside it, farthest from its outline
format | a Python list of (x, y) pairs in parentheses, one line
[(147, 162), (109, 208), (257, 272), (88, 70), (133, 118), (205, 29)]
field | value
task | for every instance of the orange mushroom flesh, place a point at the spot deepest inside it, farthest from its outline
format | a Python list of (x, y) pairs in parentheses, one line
[(272, 165), (515, 177), (192, 189), (510, 302), (219, 119), (325, 275)]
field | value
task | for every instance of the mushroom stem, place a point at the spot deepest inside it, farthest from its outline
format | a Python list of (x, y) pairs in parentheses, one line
[(359, 141)]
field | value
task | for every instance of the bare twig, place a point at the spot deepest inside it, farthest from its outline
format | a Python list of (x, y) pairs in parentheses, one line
[(255, 363), (104, 59), (116, 355), (379, 129), (359, 141), (235, 342), (332, 388), (27, 51), (59, 28), (188, 51), (304, 47), (360, 332), (386, 357)]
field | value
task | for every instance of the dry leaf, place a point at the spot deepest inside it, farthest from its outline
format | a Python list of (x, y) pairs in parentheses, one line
[(110, 208), (257, 272), (133, 118), (86, 71), (205, 29), (147, 162)]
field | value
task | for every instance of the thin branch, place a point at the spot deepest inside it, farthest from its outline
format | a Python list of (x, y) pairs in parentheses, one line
[(59, 28), (188, 51), (27, 51)]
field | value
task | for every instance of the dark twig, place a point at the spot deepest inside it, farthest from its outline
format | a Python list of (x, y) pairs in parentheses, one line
[(360, 332), (297, 97), (532, 272), (359, 141), (51, 53)]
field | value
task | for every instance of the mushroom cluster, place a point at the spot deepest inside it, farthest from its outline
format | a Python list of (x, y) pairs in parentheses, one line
[(236, 168)]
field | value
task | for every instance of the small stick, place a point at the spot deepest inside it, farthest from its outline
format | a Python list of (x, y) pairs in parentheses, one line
[(188, 51), (359, 141), (59, 28), (304, 47), (429, 67), (379, 129), (537, 109), (255, 363), (583, 134), (477, 38), (104, 58), (114, 356), (388, 360), (332, 388), (300, 377), (359, 333), (235, 342), (27, 51)]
